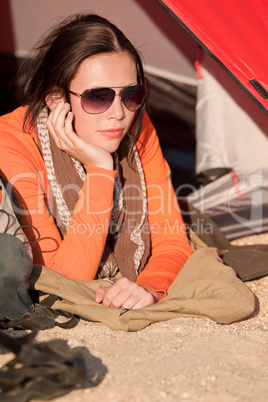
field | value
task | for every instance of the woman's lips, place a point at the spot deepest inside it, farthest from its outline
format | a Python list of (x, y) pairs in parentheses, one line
[(112, 132)]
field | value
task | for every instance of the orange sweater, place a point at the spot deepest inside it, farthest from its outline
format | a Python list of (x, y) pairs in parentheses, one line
[(77, 256)]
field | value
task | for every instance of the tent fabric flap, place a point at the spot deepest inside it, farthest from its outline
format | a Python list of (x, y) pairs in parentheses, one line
[(235, 34)]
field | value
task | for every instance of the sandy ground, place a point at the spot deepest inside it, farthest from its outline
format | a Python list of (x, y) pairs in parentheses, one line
[(185, 359)]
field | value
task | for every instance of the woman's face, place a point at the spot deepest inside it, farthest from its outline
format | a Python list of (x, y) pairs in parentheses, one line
[(106, 129)]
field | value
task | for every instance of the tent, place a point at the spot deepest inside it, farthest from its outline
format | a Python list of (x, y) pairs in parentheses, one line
[(231, 120), (235, 34), (168, 54)]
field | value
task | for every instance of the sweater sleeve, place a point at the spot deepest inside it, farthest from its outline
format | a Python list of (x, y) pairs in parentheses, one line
[(169, 244), (79, 254)]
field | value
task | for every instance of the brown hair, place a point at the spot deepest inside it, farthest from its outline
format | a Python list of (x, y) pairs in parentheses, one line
[(54, 62)]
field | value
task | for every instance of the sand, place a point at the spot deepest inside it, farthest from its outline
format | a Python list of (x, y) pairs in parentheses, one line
[(185, 359)]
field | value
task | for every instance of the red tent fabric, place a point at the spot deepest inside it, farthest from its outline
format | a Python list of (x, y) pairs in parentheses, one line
[(233, 32)]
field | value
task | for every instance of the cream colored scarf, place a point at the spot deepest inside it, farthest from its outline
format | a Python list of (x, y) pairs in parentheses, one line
[(127, 245)]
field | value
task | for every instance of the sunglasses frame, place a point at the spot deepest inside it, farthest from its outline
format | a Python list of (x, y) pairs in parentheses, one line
[(113, 88)]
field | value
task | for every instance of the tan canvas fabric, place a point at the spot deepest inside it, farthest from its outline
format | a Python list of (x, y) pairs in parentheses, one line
[(203, 288)]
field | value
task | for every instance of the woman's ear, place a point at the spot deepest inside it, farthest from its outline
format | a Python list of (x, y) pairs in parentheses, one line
[(53, 98)]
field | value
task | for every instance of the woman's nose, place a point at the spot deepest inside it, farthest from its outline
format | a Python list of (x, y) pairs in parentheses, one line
[(117, 108)]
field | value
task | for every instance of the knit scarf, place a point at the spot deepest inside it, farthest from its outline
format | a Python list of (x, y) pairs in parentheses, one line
[(128, 242)]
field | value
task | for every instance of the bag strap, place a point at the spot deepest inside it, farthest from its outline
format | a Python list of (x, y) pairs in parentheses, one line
[(3, 211), (42, 318)]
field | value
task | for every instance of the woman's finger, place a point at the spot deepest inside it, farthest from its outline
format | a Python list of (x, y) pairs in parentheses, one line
[(145, 301), (100, 293), (58, 118), (59, 124), (54, 113), (126, 294)]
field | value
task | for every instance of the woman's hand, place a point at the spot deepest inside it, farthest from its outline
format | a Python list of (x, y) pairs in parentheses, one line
[(60, 126), (124, 294)]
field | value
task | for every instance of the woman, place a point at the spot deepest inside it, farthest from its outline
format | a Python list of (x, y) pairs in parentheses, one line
[(87, 168)]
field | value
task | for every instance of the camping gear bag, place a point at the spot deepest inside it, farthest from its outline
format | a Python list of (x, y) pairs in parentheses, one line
[(39, 370), (17, 309), (204, 287), (15, 260)]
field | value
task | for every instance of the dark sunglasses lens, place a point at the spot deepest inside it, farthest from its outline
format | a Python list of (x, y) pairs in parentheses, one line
[(97, 100), (133, 97)]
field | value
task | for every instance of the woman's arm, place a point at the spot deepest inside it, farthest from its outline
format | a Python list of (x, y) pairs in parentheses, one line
[(169, 244), (79, 254)]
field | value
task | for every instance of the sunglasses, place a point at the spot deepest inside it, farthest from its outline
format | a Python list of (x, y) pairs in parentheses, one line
[(98, 100)]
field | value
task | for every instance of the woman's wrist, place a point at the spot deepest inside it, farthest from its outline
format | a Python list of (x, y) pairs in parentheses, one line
[(157, 295)]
